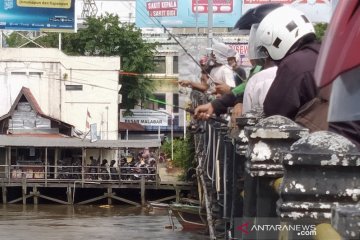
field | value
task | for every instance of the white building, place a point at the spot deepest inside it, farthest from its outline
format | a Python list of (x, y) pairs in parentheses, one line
[(75, 90)]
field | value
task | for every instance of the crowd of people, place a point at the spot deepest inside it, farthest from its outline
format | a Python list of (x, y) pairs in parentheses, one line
[(283, 51), (131, 166)]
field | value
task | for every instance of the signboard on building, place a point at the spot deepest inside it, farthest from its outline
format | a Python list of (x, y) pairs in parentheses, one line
[(145, 117), (186, 13), (315, 10), (38, 15)]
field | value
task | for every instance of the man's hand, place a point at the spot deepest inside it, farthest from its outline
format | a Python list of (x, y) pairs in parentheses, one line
[(222, 88), (203, 112), (236, 112), (185, 83)]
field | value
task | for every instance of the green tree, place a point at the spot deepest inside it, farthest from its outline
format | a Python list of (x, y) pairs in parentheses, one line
[(184, 153), (107, 36), (320, 29)]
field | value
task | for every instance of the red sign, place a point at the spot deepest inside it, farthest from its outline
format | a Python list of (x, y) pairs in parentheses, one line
[(242, 49), (162, 8), (163, 13), (219, 6), (163, 5)]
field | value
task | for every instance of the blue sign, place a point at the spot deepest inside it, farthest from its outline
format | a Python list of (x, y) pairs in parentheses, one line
[(46, 15), (186, 13)]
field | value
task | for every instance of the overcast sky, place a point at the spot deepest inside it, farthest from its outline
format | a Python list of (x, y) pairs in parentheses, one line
[(121, 8)]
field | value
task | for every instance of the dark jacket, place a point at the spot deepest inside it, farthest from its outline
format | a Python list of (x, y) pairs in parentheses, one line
[(350, 130), (294, 84), (220, 105)]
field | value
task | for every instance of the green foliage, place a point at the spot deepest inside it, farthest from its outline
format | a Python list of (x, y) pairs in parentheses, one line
[(183, 152), (320, 29), (49, 40), (107, 36)]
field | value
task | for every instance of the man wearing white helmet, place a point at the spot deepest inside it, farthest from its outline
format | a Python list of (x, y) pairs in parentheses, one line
[(222, 73), (288, 37)]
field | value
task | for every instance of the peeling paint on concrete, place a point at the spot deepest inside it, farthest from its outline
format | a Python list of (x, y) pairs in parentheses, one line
[(243, 137), (288, 156), (261, 152), (296, 215), (300, 187), (325, 142), (354, 193), (269, 166), (333, 161), (325, 206), (269, 133)]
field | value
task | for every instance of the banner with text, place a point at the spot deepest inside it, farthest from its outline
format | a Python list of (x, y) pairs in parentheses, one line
[(145, 117), (36, 15), (186, 13)]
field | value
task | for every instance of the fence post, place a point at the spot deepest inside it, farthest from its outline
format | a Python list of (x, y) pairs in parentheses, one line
[(142, 188), (267, 139), (321, 171)]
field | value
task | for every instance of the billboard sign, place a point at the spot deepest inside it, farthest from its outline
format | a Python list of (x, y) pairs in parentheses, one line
[(38, 15), (315, 10), (186, 13), (145, 117)]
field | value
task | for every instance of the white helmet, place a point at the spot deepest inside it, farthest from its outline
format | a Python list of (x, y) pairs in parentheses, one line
[(254, 51), (222, 52), (281, 29)]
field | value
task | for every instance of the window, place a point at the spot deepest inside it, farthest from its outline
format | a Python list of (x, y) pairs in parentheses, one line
[(175, 64), (175, 102), (35, 74), (18, 73), (74, 87), (160, 64), (157, 106)]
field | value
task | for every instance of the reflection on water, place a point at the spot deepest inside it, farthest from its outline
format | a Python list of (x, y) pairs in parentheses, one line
[(31, 222)]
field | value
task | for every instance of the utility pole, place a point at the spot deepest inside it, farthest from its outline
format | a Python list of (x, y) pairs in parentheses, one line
[(89, 9), (210, 23)]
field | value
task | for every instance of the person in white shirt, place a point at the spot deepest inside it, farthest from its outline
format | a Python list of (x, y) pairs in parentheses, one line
[(221, 73), (257, 88)]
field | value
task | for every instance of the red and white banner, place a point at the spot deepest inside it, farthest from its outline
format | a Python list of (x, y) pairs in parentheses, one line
[(162, 8), (219, 6)]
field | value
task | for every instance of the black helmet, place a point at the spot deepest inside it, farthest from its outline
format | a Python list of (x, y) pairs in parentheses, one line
[(254, 15)]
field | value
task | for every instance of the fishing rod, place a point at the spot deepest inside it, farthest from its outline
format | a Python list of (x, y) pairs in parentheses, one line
[(191, 111), (187, 53)]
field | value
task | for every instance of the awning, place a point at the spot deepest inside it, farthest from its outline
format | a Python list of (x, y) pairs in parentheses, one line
[(37, 141), (123, 126)]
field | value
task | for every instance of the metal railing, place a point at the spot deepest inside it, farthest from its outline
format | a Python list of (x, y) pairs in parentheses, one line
[(70, 173)]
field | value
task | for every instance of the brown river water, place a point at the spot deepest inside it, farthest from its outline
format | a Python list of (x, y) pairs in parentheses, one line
[(42, 222)]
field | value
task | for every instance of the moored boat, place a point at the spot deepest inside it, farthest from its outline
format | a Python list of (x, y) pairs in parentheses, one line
[(158, 208), (191, 217)]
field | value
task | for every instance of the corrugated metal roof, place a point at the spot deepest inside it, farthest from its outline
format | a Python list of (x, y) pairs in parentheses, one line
[(32, 141)]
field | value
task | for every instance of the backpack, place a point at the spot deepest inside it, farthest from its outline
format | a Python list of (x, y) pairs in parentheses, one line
[(313, 114)]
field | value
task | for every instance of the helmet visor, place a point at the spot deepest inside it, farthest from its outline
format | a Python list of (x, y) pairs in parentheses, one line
[(255, 51)]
